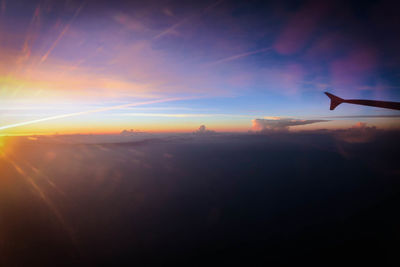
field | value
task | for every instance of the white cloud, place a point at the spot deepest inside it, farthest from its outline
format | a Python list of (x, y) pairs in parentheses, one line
[(277, 124)]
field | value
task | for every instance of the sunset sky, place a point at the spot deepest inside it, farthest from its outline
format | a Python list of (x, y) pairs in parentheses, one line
[(170, 66), (197, 133)]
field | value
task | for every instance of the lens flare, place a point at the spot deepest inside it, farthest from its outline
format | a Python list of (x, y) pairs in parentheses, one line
[(1, 145)]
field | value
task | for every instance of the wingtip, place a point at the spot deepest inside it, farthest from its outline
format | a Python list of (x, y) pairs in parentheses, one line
[(335, 100)]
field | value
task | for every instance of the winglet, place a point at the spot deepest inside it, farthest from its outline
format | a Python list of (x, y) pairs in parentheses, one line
[(335, 101)]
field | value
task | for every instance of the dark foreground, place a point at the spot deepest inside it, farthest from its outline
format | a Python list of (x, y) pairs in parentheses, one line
[(254, 200)]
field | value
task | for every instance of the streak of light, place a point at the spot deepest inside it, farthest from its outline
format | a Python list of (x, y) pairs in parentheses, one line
[(1, 144), (44, 198), (172, 28), (234, 57), (363, 116), (30, 36), (44, 177), (88, 112), (184, 115), (60, 36)]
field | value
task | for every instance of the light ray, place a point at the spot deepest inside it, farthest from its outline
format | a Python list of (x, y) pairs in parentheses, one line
[(66, 28), (172, 28), (44, 198), (40, 174), (88, 112), (234, 57), (185, 115)]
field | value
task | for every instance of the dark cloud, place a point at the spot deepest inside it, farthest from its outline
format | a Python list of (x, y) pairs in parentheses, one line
[(203, 131), (254, 198), (359, 133), (131, 132)]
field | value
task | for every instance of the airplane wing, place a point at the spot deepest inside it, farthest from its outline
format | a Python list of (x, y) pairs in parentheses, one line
[(336, 101)]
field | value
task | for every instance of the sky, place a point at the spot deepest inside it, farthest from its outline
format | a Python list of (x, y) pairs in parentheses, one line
[(171, 66)]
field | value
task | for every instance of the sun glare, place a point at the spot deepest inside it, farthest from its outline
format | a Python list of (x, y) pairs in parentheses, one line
[(2, 144)]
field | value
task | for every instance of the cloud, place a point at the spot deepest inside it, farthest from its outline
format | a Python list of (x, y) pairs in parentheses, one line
[(203, 131), (241, 55), (354, 69), (358, 133), (168, 12), (67, 115), (130, 23), (130, 132), (60, 36), (300, 28), (173, 29), (287, 79), (181, 115), (277, 124), (364, 116)]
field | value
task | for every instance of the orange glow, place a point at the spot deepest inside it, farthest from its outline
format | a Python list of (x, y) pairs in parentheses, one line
[(1, 144)]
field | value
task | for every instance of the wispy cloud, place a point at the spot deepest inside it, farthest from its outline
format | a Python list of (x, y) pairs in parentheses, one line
[(363, 116), (60, 36), (130, 23), (30, 37), (172, 29), (241, 55), (183, 115)]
